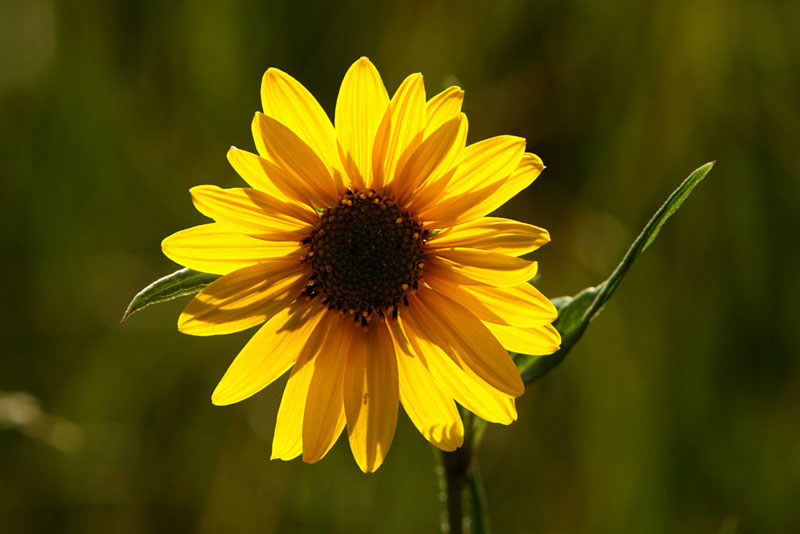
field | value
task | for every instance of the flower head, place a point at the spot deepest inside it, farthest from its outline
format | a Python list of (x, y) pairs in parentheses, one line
[(365, 250)]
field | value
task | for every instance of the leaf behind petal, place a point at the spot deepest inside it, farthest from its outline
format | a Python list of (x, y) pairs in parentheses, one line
[(575, 313), (178, 284)]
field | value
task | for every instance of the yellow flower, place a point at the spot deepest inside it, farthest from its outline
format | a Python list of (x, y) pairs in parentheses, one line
[(365, 250)]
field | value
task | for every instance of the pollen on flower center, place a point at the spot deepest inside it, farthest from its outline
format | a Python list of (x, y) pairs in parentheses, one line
[(366, 256)]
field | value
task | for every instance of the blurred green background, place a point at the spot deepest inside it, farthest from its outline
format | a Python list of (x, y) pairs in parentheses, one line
[(678, 412)]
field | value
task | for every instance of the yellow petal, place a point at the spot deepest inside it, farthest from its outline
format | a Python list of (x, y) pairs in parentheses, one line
[(252, 213), (213, 248), (290, 153), (248, 166), (468, 389), (360, 107), (267, 176), (530, 305), (481, 171), (269, 353), (442, 108), (371, 396), (287, 442), (429, 194), (521, 305), (490, 160), (287, 101), (436, 155), (530, 167), (535, 340), (324, 416), (464, 338), (440, 212), (471, 266), (243, 298), (492, 234), (258, 139), (400, 131), (253, 170), (431, 410)]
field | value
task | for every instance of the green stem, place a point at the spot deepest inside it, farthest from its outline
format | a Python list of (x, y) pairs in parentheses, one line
[(456, 465), (480, 505), (461, 485), (444, 495)]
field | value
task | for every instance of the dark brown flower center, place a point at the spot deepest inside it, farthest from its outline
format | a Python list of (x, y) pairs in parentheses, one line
[(366, 256)]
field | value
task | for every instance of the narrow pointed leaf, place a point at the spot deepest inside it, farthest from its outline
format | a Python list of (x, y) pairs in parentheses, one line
[(178, 284), (575, 313)]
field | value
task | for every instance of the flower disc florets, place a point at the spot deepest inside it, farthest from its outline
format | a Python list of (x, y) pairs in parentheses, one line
[(366, 256)]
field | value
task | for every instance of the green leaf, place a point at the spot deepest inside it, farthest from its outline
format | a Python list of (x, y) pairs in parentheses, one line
[(575, 313), (570, 325), (178, 284)]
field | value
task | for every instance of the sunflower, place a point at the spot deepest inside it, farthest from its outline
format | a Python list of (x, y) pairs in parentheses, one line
[(365, 252)]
